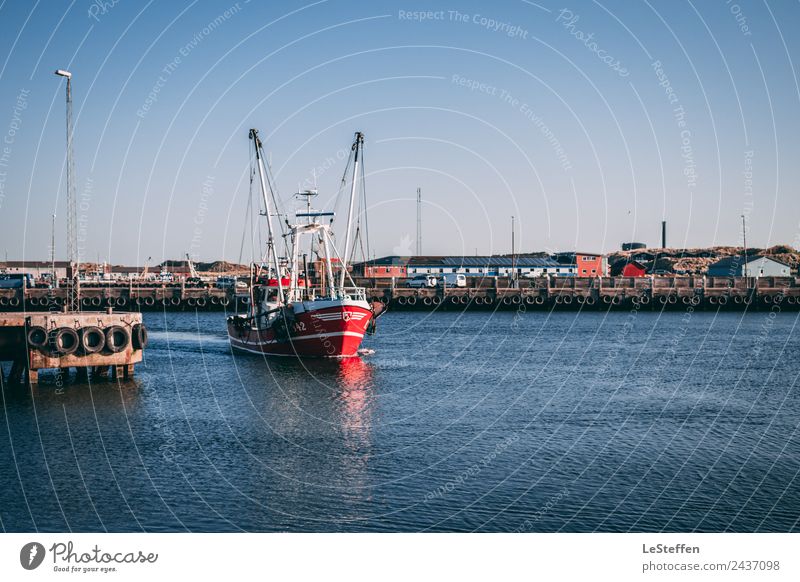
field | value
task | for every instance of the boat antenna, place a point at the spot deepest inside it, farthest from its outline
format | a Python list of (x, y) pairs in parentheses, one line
[(271, 239)]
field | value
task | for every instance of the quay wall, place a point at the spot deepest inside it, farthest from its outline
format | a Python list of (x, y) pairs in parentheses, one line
[(662, 292)]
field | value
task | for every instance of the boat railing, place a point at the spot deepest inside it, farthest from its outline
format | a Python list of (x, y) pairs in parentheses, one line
[(357, 293)]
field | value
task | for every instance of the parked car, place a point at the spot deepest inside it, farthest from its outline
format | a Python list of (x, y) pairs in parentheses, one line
[(225, 282), (16, 280), (453, 280), (422, 281)]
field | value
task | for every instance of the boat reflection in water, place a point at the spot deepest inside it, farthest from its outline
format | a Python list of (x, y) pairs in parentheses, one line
[(355, 380)]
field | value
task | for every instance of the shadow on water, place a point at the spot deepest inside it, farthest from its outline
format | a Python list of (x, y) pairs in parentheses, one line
[(58, 389)]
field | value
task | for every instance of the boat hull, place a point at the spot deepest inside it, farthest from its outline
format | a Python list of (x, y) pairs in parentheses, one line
[(325, 329)]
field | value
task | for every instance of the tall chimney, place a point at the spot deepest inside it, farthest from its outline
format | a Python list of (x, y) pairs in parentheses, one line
[(663, 234)]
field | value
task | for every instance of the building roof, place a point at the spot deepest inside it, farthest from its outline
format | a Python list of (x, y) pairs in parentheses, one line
[(466, 261), (393, 260), (737, 260), (32, 264), (124, 269), (463, 261)]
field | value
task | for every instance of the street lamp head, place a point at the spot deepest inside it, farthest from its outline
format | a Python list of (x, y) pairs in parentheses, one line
[(62, 73)]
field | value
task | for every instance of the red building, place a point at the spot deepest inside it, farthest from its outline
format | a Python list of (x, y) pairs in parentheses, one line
[(634, 269), (591, 265), (384, 268)]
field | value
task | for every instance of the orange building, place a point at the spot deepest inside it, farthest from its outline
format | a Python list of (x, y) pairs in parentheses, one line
[(591, 265)]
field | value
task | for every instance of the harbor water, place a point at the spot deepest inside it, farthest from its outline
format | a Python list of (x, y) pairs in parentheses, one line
[(569, 421)]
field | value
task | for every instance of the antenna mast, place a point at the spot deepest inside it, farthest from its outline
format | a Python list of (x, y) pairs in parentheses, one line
[(357, 145)]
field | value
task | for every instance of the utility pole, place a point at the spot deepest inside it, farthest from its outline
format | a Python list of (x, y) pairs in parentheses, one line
[(419, 222), (513, 270), (53, 250), (744, 242)]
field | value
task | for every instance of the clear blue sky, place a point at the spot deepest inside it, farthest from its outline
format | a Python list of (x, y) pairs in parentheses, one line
[(552, 112)]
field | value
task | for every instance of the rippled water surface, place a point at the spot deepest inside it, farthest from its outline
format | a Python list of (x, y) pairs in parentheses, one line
[(492, 422)]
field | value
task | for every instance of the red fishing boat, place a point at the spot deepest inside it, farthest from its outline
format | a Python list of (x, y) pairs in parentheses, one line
[(287, 316)]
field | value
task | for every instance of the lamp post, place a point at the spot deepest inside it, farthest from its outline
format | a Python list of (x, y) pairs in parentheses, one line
[(72, 256)]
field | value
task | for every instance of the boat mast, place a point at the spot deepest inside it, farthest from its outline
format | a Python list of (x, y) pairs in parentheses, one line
[(357, 145), (271, 240)]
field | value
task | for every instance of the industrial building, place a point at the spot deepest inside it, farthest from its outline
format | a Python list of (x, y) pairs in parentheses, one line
[(37, 269), (406, 267), (738, 266), (488, 266)]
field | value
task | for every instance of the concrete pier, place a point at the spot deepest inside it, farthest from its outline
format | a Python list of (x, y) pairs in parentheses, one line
[(481, 293), (88, 342)]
